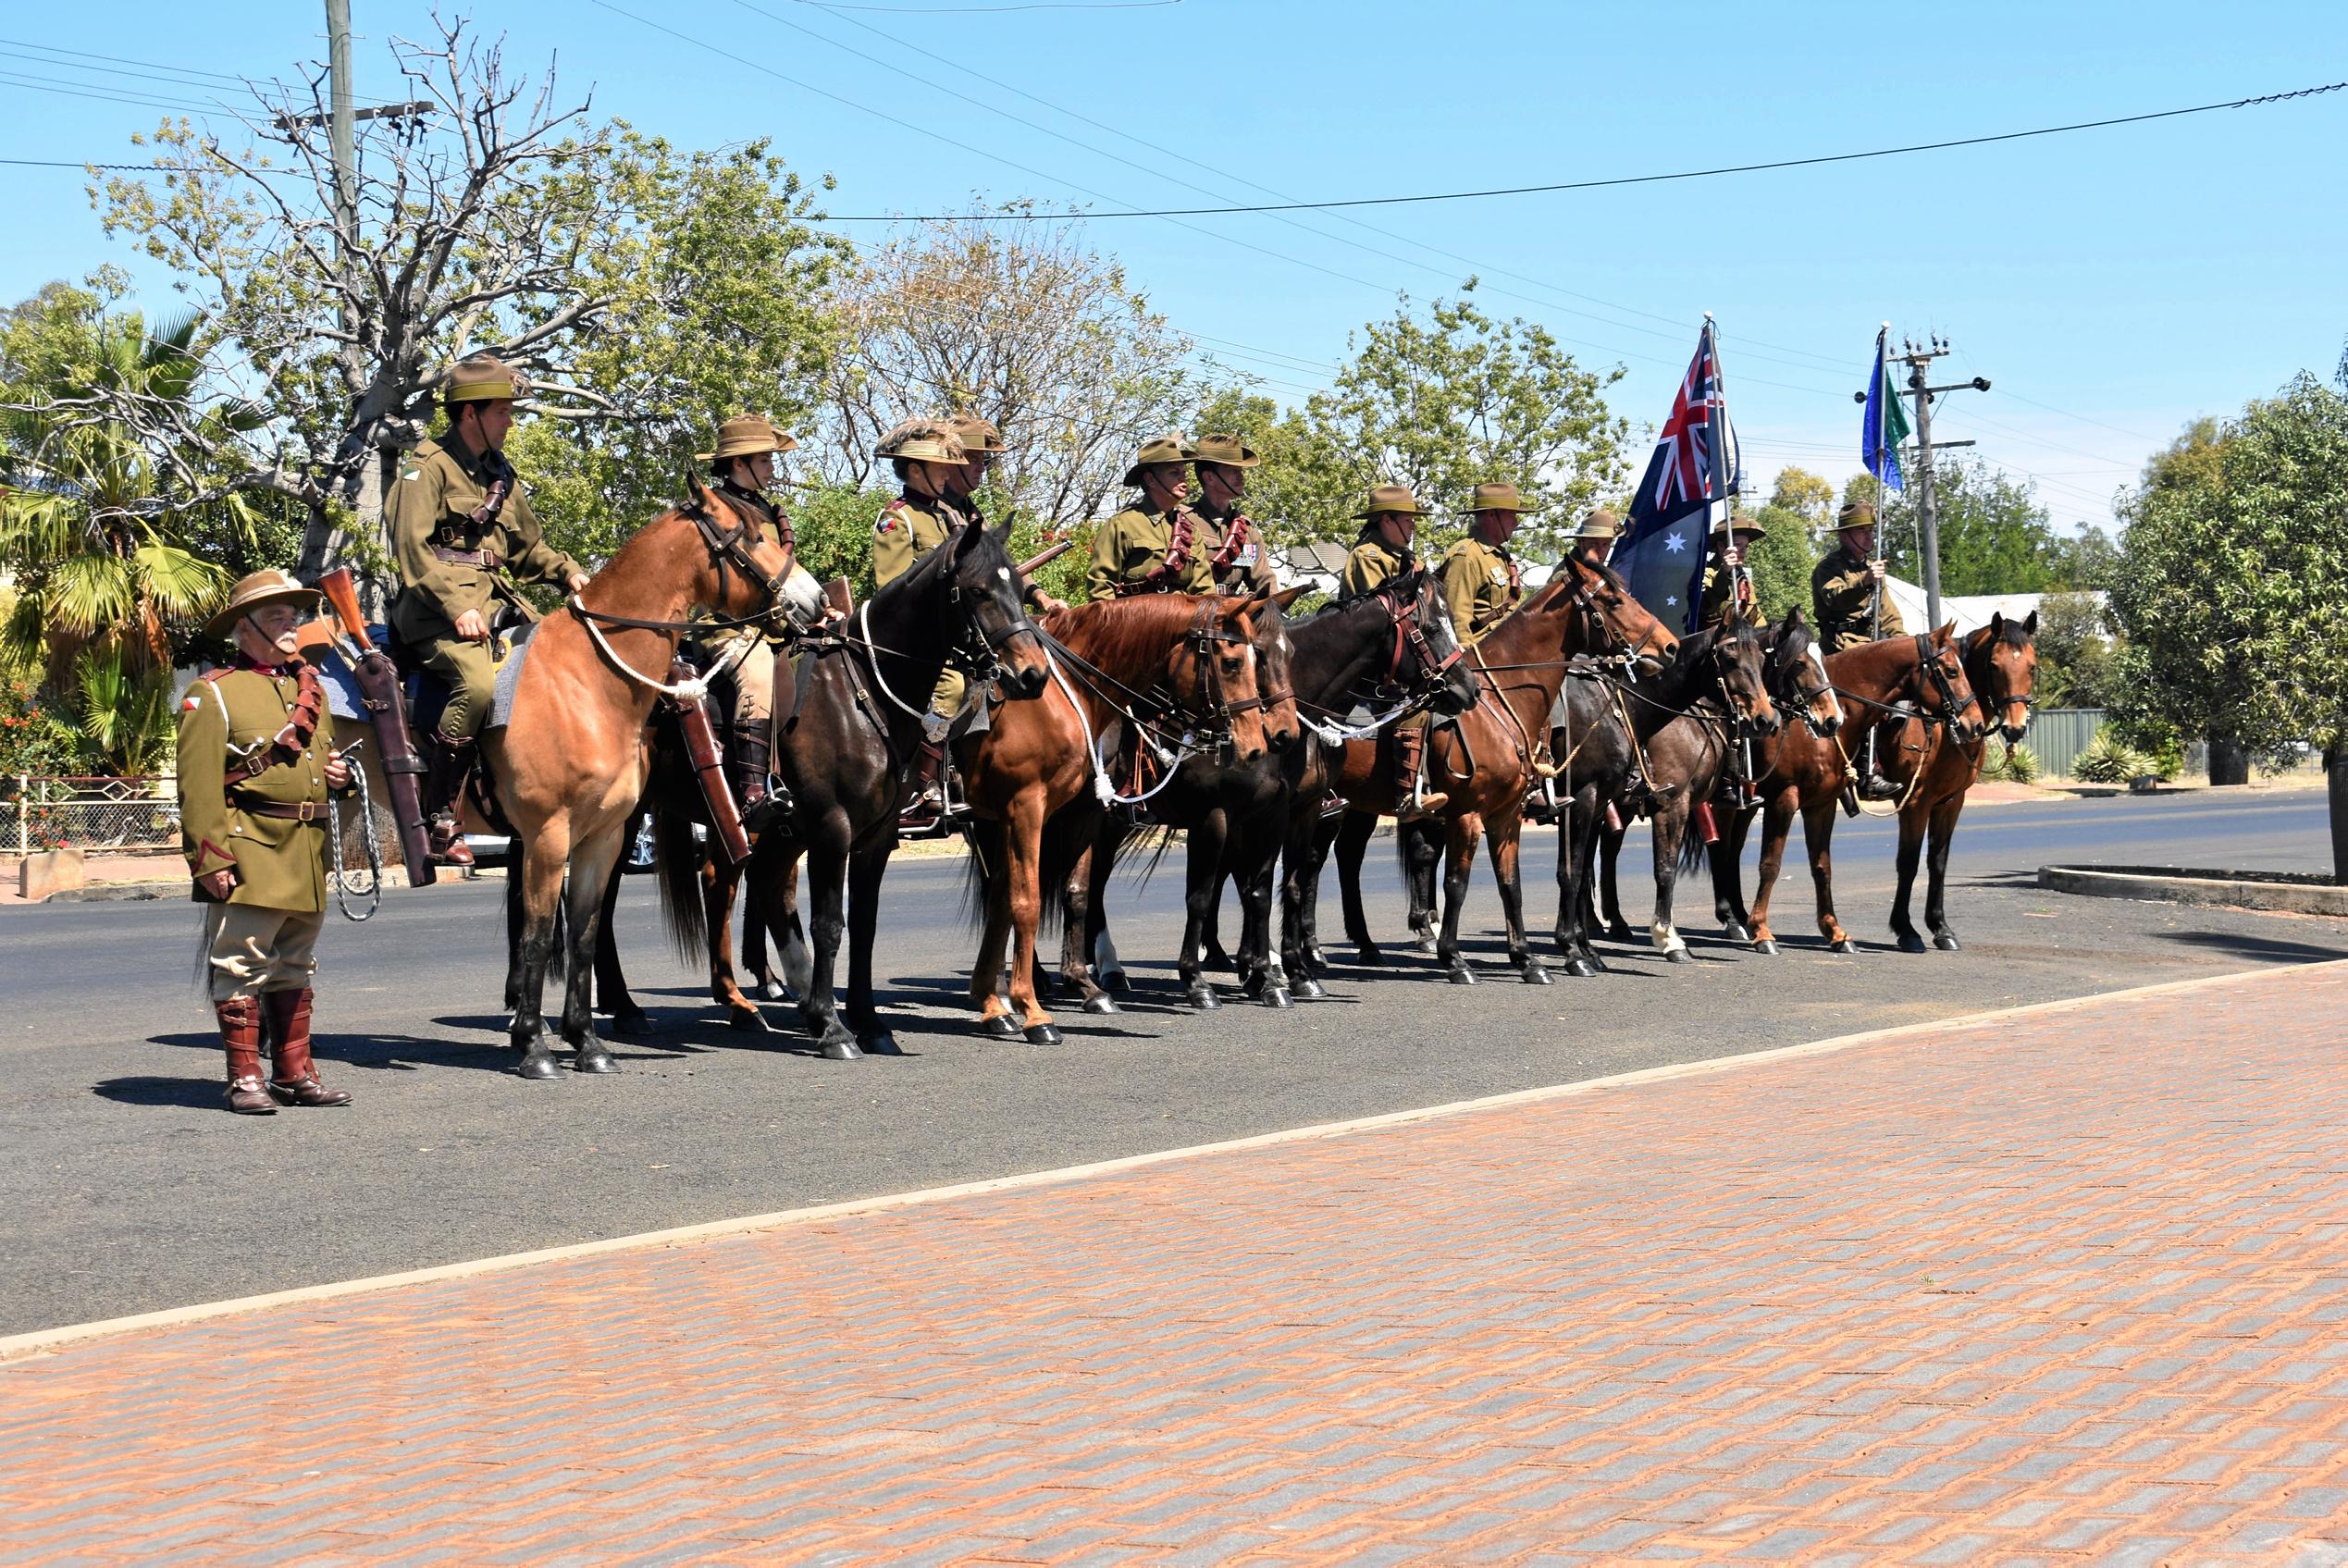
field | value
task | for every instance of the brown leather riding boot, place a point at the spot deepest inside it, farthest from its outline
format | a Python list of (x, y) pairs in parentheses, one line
[(295, 1082), (444, 784), (928, 796), (239, 1019), (1412, 802)]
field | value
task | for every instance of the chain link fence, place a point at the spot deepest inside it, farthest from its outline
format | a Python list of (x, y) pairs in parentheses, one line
[(105, 816)]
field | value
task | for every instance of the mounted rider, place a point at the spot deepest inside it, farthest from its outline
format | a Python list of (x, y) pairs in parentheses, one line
[(256, 760), (1852, 609), (982, 444), (744, 468), (1483, 583), (1238, 556), (1381, 553), (464, 534), (1160, 545), (1599, 533), (929, 460), (1728, 580)]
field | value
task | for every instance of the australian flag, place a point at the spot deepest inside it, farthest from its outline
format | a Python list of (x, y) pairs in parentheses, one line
[(1697, 462)]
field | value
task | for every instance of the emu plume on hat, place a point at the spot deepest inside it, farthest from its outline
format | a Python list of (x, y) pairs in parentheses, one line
[(921, 441)]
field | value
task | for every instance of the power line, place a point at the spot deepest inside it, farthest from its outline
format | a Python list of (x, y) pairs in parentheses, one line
[(119, 61), (82, 90), (1650, 179)]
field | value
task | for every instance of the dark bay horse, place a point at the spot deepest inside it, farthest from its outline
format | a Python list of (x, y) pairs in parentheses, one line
[(847, 751), (1154, 668), (1488, 758), (1935, 769), (1807, 773), (571, 762), (1611, 720)]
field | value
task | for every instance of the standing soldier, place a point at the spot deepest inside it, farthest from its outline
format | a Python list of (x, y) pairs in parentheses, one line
[(459, 521), (928, 458), (1160, 545), (257, 758), (1482, 582), (1728, 580), (1847, 594), (982, 444), (744, 467), (1595, 543), (1237, 557), (1381, 553)]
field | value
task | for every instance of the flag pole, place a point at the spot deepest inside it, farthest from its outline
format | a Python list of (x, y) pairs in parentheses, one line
[(1876, 396)]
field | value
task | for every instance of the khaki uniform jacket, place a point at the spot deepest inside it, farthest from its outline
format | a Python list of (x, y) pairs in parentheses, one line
[(1129, 546), (1843, 599), (1482, 585), (437, 488), (280, 863), (1719, 582), (906, 531), (1251, 570), (1370, 567)]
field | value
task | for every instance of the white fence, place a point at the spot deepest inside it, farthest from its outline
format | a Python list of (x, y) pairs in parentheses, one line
[(134, 816)]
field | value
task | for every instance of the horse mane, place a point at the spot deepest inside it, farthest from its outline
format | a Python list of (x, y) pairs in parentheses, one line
[(1124, 633)]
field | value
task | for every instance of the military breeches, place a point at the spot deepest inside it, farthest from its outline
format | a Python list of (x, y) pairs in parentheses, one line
[(472, 678), (250, 948), (754, 686), (951, 687)]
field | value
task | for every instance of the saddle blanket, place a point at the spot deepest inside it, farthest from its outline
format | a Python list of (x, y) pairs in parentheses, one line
[(509, 674)]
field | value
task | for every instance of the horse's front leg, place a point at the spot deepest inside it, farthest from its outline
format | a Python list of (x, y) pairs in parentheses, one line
[(1255, 854), (1610, 887), (1669, 824), (1728, 868), (1504, 841), (1913, 822), (1300, 875), (543, 858), (989, 842), (1459, 862), (1023, 887), (720, 877), (1818, 837), (1108, 970), (1201, 888), (866, 868), (1084, 896), (591, 867), (827, 867), (1421, 848), (1945, 817), (782, 900)]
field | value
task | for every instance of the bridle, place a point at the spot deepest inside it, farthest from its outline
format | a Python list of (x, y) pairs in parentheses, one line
[(1806, 702), (1616, 645), (733, 546), (1951, 708), (979, 652), (1211, 701), (1428, 668)]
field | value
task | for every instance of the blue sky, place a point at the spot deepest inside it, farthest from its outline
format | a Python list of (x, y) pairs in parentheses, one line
[(2111, 283)]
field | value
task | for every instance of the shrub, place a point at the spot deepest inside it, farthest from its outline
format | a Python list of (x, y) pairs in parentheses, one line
[(2018, 765), (2109, 759)]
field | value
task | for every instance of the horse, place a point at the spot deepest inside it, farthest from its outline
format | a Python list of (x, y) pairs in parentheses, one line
[(1488, 758), (1609, 724), (847, 751), (1394, 643), (1935, 769), (1808, 771), (572, 763), (1121, 667)]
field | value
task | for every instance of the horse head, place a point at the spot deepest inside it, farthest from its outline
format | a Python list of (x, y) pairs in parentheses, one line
[(2001, 661), (1739, 663), (1430, 655), (1282, 727), (1612, 620), (1216, 661), (1941, 681), (749, 568), (984, 586), (1797, 675)]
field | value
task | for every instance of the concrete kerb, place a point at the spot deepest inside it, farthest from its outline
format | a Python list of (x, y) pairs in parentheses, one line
[(2179, 884), (18, 1348)]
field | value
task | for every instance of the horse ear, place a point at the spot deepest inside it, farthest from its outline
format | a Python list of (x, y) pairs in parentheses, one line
[(2029, 624), (1947, 632), (1996, 624)]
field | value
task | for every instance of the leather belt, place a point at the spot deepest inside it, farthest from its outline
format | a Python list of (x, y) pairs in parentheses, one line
[(483, 558), (311, 811)]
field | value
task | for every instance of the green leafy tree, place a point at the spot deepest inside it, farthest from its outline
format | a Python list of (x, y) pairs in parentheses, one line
[(1781, 562), (2077, 664), (1806, 495), (2082, 563), (1994, 538)]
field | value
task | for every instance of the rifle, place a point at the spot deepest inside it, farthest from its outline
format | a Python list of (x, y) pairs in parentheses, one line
[(379, 689), (1044, 557)]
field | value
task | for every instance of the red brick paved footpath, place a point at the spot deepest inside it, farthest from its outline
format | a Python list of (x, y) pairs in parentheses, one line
[(2065, 1287)]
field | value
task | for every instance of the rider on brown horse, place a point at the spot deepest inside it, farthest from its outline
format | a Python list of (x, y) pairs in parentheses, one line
[(1381, 551)]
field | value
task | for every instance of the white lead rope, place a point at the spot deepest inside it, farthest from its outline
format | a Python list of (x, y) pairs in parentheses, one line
[(692, 689), (1102, 789)]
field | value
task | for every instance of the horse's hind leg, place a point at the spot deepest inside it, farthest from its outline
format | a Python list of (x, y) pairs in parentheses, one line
[(1777, 821), (720, 877), (543, 858), (1818, 837), (1421, 848), (1353, 832), (866, 868), (1727, 858), (1504, 838), (628, 1020), (591, 865), (1202, 886), (827, 869), (1108, 968), (1669, 826), (780, 900), (1609, 883)]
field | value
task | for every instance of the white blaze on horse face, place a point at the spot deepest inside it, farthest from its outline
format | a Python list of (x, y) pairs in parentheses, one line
[(1003, 574), (1834, 697)]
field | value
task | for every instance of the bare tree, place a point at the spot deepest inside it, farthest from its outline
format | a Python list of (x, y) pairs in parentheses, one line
[(1024, 324)]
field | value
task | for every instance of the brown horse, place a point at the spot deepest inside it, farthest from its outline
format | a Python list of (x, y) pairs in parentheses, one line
[(1489, 758), (573, 761), (1807, 772), (1935, 769), (1174, 664)]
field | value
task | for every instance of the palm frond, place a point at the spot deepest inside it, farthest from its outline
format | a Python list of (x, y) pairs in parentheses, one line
[(183, 587)]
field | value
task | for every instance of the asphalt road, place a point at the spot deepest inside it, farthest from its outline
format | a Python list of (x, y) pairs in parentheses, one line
[(127, 1188)]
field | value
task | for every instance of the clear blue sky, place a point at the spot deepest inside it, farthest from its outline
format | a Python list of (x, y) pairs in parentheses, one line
[(2112, 283)]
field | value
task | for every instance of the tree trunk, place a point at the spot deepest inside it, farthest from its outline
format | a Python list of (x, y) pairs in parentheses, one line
[(2229, 763), (2336, 777), (363, 545)]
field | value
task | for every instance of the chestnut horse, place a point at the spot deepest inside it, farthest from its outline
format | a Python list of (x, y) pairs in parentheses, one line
[(1808, 772), (1168, 665), (1935, 769), (572, 760)]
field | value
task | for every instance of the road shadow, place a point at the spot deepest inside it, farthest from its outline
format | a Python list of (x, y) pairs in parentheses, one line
[(198, 1094), (2245, 945)]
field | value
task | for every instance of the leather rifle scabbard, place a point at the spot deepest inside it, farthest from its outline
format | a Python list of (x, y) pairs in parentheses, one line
[(386, 708), (709, 766)]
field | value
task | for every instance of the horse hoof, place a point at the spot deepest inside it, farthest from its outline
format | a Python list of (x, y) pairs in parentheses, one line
[(1001, 1026), (1316, 958), (1101, 1006), (773, 990), (634, 1024), (1427, 948), (1203, 997), (1767, 946), (882, 1043), (1910, 943), (840, 1050), (1369, 957), (1276, 997), (1946, 942), (1115, 980), (1535, 973), (538, 1064), (1735, 931), (1460, 974), (593, 1059), (1581, 969), (747, 1019), (1041, 1035), (1311, 990), (1843, 945), (1621, 933)]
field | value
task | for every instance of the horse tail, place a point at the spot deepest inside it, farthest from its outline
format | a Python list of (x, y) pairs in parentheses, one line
[(1692, 847), (1066, 837), (679, 856), (984, 859)]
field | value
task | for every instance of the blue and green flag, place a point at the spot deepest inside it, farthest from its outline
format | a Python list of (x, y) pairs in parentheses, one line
[(1884, 425)]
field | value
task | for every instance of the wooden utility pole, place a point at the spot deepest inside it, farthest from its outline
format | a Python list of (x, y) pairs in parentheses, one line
[(1917, 358), (342, 130)]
